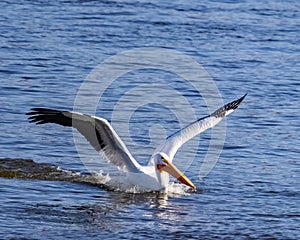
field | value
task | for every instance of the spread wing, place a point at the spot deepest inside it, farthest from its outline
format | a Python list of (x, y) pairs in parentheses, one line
[(176, 140), (97, 131)]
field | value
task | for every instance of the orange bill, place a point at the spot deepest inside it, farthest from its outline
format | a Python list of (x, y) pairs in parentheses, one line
[(176, 173)]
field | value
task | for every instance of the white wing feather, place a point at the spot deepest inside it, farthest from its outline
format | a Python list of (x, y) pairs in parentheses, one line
[(176, 140)]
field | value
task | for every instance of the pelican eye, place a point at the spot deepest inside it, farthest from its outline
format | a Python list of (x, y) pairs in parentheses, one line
[(163, 159)]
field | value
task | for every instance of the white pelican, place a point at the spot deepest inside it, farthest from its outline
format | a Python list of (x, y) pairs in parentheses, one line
[(101, 135)]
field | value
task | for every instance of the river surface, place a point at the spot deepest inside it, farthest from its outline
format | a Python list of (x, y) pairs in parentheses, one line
[(47, 50)]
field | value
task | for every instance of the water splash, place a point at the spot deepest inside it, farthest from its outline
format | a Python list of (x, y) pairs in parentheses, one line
[(119, 183)]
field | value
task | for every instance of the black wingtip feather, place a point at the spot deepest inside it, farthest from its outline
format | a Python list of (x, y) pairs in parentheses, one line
[(235, 104), (48, 111), (46, 115), (221, 112)]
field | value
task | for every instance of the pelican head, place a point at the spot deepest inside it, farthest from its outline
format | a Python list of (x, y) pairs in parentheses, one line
[(164, 165)]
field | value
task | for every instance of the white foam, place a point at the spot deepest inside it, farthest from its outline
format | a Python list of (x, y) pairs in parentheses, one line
[(119, 183), (102, 177)]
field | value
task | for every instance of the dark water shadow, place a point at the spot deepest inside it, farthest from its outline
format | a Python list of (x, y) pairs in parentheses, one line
[(29, 169)]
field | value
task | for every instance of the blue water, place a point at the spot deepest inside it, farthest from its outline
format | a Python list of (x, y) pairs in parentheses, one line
[(48, 49)]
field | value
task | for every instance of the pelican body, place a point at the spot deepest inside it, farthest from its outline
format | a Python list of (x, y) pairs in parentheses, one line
[(100, 134)]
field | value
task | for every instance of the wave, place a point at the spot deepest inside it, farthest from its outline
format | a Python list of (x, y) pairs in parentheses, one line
[(29, 169)]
